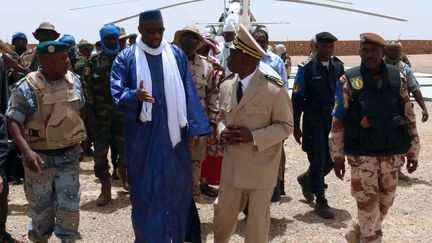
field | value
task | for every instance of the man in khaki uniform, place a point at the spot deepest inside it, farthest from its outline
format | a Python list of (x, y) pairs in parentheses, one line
[(255, 116), (374, 126), (190, 40)]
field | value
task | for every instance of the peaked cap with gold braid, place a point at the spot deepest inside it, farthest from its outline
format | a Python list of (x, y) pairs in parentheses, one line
[(246, 43)]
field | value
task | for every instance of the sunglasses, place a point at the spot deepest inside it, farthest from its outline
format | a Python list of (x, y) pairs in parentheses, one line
[(152, 31)]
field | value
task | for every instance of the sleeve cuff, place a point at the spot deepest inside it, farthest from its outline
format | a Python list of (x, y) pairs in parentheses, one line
[(16, 115)]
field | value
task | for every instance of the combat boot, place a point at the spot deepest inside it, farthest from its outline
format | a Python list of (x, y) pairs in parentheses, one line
[(105, 195), (122, 174), (322, 209), (306, 184)]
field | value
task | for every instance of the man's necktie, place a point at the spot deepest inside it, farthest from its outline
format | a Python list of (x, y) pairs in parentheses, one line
[(239, 91)]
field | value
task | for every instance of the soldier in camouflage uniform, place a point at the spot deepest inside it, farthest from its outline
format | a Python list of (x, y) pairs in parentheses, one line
[(108, 118), (45, 32), (189, 40), (81, 68), (393, 56), (44, 121), (374, 126)]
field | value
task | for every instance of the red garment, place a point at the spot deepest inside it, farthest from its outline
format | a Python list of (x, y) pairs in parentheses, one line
[(212, 165)]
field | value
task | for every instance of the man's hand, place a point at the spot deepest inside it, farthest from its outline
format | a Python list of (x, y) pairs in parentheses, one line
[(1, 184), (193, 142), (339, 169), (298, 135), (233, 135), (425, 115), (144, 95), (411, 165), (33, 161), (244, 135), (228, 135)]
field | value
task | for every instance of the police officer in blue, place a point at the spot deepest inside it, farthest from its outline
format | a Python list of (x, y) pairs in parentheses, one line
[(313, 95)]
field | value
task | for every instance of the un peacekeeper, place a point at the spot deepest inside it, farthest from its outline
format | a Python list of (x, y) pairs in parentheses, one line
[(313, 95), (254, 118), (108, 119), (393, 56), (374, 126), (19, 41), (189, 40), (72, 48), (44, 121), (45, 32)]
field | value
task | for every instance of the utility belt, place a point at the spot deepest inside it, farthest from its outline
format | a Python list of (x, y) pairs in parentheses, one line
[(318, 108)]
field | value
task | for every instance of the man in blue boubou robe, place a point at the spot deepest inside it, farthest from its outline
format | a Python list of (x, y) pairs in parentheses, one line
[(152, 86)]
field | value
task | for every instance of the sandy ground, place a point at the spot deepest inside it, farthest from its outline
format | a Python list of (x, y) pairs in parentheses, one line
[(292, 220)]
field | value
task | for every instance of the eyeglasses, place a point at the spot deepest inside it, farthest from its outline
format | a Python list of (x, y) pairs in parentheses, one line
[(152, 31)]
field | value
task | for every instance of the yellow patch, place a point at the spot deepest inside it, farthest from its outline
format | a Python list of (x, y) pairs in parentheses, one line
[(297, 87), (357, 83)]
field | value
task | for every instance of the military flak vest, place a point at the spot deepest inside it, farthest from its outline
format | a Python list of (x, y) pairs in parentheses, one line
[(384, 110), (57, 123)]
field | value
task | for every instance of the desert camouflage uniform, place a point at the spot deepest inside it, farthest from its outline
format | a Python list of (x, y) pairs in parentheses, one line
[(29, 59), (54, 194), (202, 74), (373, 179)]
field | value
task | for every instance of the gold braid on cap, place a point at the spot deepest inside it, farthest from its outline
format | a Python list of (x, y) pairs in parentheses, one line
[(244, 47)]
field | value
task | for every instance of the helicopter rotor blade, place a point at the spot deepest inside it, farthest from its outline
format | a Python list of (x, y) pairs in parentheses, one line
[(337, 1), (344, 9), (161, 8), (105, 4)]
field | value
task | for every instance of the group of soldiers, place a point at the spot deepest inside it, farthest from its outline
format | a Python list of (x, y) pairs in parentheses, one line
[(61, 106)]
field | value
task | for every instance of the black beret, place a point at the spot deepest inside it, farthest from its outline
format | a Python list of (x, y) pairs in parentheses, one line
[(325, 37)]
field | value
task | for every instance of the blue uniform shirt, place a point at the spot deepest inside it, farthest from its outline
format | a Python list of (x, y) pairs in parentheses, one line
[(277, 64)]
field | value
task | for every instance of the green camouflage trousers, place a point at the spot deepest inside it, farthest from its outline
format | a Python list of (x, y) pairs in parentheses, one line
[(54, 196), (109, 128), (373, 185)]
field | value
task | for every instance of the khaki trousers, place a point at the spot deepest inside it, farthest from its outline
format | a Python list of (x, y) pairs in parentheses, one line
[(231, 202)]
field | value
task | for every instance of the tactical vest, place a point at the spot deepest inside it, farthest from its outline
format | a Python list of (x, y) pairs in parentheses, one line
[(320, 87), (57, 123), (384, 110)]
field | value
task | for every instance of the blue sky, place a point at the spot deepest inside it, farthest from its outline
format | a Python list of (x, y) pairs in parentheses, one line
[(305, 20)]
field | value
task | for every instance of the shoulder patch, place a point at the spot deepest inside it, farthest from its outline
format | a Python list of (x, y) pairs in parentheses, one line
[(275, 80), (357, 83), (305, 62)]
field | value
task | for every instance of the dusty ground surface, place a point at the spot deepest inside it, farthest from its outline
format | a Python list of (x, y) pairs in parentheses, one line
[(292, 220)]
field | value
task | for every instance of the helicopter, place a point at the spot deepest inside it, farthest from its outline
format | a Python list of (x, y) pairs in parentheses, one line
[(237, 12)]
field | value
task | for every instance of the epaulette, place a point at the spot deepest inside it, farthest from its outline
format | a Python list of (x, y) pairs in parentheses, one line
[(305, 62), (336, 59), (275, 80)]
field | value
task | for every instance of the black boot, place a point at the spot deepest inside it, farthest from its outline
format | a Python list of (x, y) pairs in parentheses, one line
[(322, 208), (306, 184)]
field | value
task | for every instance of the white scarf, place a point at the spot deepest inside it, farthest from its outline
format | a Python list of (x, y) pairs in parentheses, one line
[(174, 90)]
